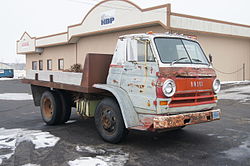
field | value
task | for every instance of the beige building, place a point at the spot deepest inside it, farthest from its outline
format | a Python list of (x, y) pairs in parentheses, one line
[(228, 43)]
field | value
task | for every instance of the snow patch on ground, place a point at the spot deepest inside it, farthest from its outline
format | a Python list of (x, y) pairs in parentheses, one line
[(30, 165), (240, 152), (88, 161), (107, 157), (89, 149), (38, 138), (11, 138), (16, 96), (217, 136), (237, 93), (70, 121)]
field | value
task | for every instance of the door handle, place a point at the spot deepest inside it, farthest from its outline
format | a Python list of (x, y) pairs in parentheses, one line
[(126, 69)]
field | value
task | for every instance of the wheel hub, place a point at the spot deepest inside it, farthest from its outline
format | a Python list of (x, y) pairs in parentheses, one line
[(108, 120), (48, 110)]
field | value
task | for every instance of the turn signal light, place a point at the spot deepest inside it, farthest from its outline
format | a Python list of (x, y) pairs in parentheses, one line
[(150, 32), (163, 103)]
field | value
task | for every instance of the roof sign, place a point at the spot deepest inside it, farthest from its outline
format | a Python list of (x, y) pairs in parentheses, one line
[(108, 17)]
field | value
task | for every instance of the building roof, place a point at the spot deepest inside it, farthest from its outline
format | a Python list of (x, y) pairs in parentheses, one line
[(108, 16)]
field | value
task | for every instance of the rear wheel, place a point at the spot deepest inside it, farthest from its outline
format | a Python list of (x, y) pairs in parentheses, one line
[(109, 121), (50, 106)]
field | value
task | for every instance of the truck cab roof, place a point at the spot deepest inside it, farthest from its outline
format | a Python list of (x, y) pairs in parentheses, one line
[(152, 35)]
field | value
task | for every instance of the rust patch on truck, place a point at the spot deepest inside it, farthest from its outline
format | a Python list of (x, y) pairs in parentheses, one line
[(186, 72), (153, 83), (140, 86), (115, 81), (158, 122), (151, 70), (163, 122), (148, 104), (130, 84)]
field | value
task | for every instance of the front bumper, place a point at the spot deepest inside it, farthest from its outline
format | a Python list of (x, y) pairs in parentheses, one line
[(171, 121)]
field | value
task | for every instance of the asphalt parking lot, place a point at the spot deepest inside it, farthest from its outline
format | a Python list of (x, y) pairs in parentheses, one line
[(26, 140)]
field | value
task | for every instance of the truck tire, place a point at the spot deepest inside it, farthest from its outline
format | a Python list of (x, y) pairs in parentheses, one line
[(51, 108), (109, 121), (66, 108)]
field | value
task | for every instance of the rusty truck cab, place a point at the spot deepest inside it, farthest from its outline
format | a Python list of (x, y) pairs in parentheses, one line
[(168, 78)]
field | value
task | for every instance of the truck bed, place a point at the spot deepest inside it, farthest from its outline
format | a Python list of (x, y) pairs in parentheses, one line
[(95, 70)]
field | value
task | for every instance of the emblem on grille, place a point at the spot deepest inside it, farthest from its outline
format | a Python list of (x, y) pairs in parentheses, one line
[(196, 84)]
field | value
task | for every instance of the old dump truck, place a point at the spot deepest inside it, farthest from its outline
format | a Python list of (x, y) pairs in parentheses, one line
[(152, 82)]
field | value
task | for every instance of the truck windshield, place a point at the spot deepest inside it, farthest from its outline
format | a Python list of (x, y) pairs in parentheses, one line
[(173, 50)]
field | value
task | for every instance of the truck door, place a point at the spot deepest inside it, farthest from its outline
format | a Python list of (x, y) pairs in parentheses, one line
[(139, 75)]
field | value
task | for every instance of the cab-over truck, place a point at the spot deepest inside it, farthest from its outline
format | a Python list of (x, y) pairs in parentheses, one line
[(152, 82)]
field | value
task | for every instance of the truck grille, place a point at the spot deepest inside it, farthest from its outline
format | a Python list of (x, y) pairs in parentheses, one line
[(192, 99)]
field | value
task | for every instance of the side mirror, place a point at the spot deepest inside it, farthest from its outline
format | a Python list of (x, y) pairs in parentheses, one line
[(210, 58)]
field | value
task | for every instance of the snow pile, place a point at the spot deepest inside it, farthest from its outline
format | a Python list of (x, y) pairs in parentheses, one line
[(11, 138), (241, 93), (235, 82), (16, 96), (108, 157), (19, 74)]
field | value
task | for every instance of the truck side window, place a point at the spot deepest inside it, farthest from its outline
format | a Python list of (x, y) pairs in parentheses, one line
[(144, 50), (150, 56)]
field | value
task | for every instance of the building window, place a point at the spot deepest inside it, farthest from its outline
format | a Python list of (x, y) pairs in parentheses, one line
[(40, 65), (34, 65), (49, 64), (60, 64)]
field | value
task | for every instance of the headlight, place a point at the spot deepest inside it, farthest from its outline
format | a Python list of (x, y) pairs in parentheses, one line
[(216, 86), (169, 88)]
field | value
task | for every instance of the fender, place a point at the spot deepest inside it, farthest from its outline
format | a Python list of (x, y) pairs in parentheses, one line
[(129, 114)]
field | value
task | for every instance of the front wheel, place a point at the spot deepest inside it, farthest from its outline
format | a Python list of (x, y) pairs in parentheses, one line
[(109, 121)]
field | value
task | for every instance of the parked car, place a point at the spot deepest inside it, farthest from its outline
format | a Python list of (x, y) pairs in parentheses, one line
[(8, 73)]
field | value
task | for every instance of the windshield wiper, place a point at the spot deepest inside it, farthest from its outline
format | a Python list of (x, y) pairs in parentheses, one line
[(177, 60), (197, 60)]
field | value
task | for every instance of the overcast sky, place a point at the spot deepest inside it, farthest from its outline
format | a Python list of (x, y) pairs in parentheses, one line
[(45, 17)]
